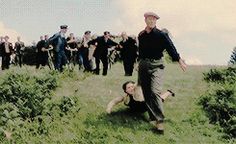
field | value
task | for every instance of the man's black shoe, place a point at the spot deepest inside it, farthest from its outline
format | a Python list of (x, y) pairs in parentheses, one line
[(172, 93)]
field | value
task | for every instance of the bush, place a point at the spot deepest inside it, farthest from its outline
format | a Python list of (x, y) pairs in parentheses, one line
[(220, 100), (67, 104), (221, 75), (27, 106), (26, 92), (24, 97)]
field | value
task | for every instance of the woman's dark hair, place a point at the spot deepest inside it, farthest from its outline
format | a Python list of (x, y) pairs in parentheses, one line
[(125, 84)]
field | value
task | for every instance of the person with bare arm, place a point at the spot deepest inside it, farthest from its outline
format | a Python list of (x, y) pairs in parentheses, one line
[(134, 98)]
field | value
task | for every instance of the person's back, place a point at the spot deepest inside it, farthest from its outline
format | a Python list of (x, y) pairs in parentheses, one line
[(129, 49), (99, 47)]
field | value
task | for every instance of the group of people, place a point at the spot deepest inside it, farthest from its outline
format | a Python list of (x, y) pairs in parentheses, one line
[(93, 49), (89, 52), (147, 94), (7, 51)]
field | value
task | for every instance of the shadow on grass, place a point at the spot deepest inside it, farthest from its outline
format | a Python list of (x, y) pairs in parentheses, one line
[(123, 118), (120, 127)]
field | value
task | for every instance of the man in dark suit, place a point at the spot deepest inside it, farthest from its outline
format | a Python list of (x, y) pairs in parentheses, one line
[(102, 44), (59, 43), (128, 53), (7, 50)]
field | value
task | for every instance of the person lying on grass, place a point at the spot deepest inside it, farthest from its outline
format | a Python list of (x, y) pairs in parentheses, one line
[(134, 98)]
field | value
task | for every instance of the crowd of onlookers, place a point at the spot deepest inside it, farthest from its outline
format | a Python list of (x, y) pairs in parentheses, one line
[(59, 51)]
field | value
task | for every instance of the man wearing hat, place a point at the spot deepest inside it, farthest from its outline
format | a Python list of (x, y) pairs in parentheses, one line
[(152, 43), (59, 43), (102, 43)]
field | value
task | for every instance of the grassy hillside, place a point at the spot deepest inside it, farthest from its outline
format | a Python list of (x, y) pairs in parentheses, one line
[(185, 122)]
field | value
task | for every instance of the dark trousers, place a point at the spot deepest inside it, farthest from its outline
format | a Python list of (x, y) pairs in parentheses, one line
[(42, 59), (104, 60), (6, 61), (72, 57), (60, 60), (84, 54), (128, 66), (19, 59), (150, 77)]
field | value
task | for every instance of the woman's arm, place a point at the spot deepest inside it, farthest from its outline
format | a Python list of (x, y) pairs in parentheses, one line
[(114, 102)]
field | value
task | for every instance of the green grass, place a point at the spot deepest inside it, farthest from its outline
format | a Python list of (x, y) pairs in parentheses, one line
[(185, 121)]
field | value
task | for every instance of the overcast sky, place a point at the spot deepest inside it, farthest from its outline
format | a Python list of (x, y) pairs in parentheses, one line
[(203, 31)]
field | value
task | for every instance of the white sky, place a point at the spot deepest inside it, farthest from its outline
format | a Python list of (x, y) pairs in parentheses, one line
[(203, 31)]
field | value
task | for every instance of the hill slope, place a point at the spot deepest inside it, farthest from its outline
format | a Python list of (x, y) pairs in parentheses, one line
[(185, 122)]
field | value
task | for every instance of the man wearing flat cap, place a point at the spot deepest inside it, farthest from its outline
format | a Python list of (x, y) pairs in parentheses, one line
[(152, 43), (59, 43), (103, 43)]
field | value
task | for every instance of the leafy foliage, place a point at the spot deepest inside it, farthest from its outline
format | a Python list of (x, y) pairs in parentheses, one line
[(221, 75), (220, 101), (27, 104), (232, 60), (26, 92)]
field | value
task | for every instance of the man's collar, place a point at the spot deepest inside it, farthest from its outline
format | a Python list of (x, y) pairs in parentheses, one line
[(148, 30), (62, 34)]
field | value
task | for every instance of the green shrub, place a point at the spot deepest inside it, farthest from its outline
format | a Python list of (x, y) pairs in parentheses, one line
[(221, 75), (27, 92), (220, 100), (67, 104), (27, 106)]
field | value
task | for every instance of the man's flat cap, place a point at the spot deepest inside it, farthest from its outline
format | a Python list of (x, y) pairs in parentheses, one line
[(63, 26), (87, 32), (151, 14)]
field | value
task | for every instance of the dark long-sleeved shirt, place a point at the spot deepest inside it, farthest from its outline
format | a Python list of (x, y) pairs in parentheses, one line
[(152, 45), (59, 43), (102, 46), (129, 50), (3, 48)]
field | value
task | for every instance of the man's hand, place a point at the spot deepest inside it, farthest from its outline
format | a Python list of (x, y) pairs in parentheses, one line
[(44, 49), (86, 45), (120, 46), (182, 65)]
